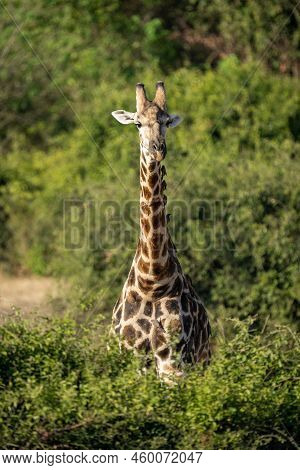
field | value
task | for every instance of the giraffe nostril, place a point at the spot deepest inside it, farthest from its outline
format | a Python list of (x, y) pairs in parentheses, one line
[(159, 147)]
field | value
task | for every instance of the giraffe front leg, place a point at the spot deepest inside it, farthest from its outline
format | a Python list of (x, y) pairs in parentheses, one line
[(166, 364), (166, 369)]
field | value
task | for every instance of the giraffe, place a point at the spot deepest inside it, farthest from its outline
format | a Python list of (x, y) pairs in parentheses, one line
[(158, 310)]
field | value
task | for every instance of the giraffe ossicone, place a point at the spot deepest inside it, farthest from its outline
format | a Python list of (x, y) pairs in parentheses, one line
[(158, 309)]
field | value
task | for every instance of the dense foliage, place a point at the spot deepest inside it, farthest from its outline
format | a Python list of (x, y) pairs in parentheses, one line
[(61, 388), (230, 69)]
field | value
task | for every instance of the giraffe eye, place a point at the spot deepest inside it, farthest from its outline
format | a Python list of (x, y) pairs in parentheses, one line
[(138, 125)]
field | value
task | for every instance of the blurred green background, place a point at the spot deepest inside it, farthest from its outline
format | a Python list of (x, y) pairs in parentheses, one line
[(231, 70)]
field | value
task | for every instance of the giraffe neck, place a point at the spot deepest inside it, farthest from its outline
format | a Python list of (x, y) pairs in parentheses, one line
[(154, 258)]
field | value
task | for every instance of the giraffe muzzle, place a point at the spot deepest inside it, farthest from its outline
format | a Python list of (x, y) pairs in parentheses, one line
[(159, 151)]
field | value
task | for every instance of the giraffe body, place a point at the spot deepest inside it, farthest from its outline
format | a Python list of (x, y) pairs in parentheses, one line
[(158, 309)]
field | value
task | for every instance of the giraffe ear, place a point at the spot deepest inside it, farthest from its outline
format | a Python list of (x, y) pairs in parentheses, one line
[(124, 117), (174, 120)]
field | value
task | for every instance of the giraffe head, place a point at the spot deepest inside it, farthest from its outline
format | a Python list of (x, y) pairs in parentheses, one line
[(151, 119)]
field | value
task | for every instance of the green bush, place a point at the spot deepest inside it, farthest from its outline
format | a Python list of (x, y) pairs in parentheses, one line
[(63, 386)]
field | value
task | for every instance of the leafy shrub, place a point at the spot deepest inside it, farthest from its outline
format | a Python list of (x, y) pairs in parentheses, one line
[(62, 387)]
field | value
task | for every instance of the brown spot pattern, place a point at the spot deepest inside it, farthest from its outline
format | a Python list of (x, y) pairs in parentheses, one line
[(145, 345), (144, 324), (148, 309), (129, 334), (153, 179)]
